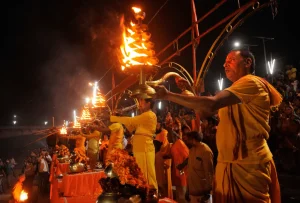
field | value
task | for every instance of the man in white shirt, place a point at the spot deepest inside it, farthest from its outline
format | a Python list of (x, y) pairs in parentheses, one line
[(43, 174)]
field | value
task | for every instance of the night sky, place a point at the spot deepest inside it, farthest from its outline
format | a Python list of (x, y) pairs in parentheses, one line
[(51, 49)]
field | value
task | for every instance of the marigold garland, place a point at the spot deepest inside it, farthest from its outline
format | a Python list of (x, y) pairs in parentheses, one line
[(127, 169)]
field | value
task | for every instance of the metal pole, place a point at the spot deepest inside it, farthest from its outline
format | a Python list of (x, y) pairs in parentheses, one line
[(224, 20), (186, 31), (194, 44), (52, 121), (142, 76), (265, 54)]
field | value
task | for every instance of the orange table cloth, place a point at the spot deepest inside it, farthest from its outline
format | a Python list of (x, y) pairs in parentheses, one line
[(82, 184)]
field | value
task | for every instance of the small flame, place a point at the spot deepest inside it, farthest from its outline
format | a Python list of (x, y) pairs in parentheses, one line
[(63, 130), (86, 115), (136, 9), (23, 196)]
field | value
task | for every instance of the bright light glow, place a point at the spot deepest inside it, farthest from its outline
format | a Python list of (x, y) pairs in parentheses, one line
[(67, 123), (159, 105), (132, 114), (15, 116), (87, 100), (86, 115), (271, 66), (95, 88), (136, 49), (136, 9), (23, 196), (63, 130), (74, 118), (98, 99), (237, 44), (14, 122), (220, 82), (76, 123), (46, 122)]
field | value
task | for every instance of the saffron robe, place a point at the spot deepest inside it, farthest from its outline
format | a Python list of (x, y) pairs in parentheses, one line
[(245, 171), (142, 142)]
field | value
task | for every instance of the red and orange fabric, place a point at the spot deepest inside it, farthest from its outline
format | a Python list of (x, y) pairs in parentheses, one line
[(163, 174), (179, 153)]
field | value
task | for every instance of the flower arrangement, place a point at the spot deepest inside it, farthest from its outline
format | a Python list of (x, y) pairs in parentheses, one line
[(127, 169)]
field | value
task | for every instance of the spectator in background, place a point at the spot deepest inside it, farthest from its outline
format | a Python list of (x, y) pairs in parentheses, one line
[(11, 177), (43, 174), (291, 72), (200, 168)]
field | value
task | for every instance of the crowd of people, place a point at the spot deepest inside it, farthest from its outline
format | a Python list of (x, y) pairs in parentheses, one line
[(34, 172), (285, 121), (186, 154)]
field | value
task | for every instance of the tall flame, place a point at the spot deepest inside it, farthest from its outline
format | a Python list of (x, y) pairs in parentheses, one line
[(136, 47), (98, 99), (23, 196), (76, 123)]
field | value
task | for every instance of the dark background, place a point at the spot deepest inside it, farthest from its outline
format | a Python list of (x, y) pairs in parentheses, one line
[(51, 49)]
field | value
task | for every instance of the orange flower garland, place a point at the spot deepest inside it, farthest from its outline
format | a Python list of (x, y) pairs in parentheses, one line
[(126, 168)]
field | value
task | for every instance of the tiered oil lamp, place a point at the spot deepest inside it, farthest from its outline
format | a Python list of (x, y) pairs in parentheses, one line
[(138, 54)]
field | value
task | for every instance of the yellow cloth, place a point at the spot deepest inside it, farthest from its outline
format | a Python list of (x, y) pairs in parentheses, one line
[(116, 137), (93, 147), (244, 156), (93, 144), (142, 142)]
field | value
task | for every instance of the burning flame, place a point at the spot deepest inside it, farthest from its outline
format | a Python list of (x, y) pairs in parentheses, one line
[(136, 48), (23, 196), (63, 130), (136, 9), (98, 99), (86, 115)]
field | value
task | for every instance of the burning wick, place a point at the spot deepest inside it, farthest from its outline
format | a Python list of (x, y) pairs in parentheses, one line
[(136, 9), (23, 196)]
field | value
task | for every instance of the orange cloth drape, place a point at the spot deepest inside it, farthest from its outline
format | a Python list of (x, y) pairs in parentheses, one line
[(179, 153), (165, 150), (83, 184)]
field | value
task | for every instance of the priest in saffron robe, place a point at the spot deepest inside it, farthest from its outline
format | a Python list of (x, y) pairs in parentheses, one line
[(93, 146), (245, 171), (143, 150), (116, 138)]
